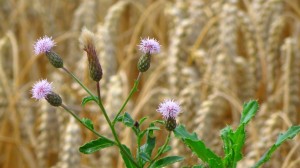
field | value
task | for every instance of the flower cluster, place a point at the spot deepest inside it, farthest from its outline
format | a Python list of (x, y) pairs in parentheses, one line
[(43, 45), (149, 46), (41, 89), (169, 109)]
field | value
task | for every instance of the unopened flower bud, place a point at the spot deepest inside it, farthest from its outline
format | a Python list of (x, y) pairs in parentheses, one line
[(171, 124), (53, 99), (55, 59), (88, 42), (144, 62)]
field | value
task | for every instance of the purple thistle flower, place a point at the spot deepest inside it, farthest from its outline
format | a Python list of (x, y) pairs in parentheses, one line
[(41, 89), (43, 45), (169, 109), (149, 46)]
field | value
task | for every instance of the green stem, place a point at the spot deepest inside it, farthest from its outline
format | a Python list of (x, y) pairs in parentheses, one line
[(78, 119), (79, 82), (133, 90), (162, 149), (113, 129)]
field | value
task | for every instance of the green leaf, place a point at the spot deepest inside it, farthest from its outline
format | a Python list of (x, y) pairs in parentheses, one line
[(87, 122), (249, 110), (167, 149), (153, 128), (181, 132), (95, 145), (166, 161), (127, 162), (127, 120), (149, 145), (145, 157), (159, 122), (88, 99), (142, 120), (289, 134), (199, 166), (198, 147)]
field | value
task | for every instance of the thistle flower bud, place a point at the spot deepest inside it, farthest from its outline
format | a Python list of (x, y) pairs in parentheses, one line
[(148, 47), (170, 110), (87, 40), (144, 62), (171, 124), (54, 99), (55, 59), (44, 46)]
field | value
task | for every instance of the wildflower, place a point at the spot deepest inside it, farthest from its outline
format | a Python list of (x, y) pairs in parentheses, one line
[(43, 89), (148, 47), (87, 40), (44, 46), (170, 110)]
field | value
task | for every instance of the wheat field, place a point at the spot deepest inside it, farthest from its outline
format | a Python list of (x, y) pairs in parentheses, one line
[(216, 54)]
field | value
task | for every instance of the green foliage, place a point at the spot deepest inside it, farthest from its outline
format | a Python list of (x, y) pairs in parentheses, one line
[(128, 163), (289, 134), (198, 147), (166, 161), (88, 99), (95, 145), (87, 122)]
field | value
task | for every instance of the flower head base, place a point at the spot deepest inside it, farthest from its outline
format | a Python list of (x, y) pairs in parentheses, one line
[(149, 46), (169, 109), (41, 89), (43, 45)]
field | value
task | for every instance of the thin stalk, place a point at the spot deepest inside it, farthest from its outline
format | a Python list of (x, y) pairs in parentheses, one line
[(162, 149), (78, 119), (112, 128), (133, 90), (78, 81)]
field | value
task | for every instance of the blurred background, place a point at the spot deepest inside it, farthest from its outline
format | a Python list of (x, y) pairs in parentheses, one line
[(216, 54)]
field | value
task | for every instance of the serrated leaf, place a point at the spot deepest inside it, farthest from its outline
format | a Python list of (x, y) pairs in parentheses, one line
[(88, 99), (166, 161), (181, 132), (127, 162), (198, 147), (95, 145), (249, 110), (88, 123), (289, 134)]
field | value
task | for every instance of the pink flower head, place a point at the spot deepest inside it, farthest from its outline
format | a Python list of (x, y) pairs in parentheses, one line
[(169, 108), (149, 46), (41, 89), (43, 45)]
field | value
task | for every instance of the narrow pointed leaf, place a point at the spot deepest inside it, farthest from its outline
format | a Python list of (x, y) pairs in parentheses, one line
[(88, 99), (249, 110), (88, 122), (289, 134), (95, 145), (127, 162), (166, 161)]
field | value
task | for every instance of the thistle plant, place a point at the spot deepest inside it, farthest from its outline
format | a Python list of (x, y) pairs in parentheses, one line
[(144, 155)]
